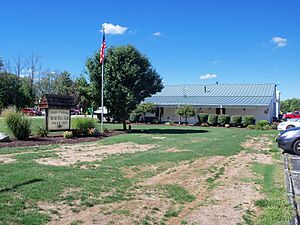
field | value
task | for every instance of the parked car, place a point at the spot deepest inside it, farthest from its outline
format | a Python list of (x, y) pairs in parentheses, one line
[(290, 140), (28, 111), (295, 114), (38, 113), (291, 123)]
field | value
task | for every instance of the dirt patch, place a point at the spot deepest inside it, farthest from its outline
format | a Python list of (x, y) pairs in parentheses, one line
[(70, 154), (176, 150), (127, 212), (259, 143), (158, 138), (131, 172), (230, 198), (6, 159)]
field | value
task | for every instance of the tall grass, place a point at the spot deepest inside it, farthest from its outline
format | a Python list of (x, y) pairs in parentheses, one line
[(18, 124)]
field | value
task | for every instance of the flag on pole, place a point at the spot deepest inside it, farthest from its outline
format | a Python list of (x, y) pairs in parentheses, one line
[(102, 50)]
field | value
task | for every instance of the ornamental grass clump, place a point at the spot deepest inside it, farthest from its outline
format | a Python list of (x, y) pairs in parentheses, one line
[(18, 124), (83, 125)]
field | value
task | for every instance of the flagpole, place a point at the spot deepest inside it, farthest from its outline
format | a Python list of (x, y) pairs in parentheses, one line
[(102, 90)]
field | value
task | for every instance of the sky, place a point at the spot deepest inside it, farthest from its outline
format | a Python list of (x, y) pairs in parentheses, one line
[(187, 42)]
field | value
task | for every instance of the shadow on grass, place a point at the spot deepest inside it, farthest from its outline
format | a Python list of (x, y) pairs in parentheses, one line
[(167, 131), (20, 185)]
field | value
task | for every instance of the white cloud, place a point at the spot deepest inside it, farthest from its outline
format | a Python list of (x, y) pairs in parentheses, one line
[(157, 34), (216, 62), (279, 41), (114, 29), (208, 76)]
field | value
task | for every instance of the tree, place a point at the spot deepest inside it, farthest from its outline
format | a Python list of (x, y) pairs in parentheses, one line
[(63, 84), (290, 105), (34, 68), (129, 79), (144, 108), (45, 85), (186, 111), (13, 91), (18, 65)]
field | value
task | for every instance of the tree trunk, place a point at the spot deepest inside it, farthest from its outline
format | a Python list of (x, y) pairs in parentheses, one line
[(124, 125), (186, 123)]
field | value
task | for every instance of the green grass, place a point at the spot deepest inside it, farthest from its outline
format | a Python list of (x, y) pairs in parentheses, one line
[(179, 194), (275, 209), (24, 183)]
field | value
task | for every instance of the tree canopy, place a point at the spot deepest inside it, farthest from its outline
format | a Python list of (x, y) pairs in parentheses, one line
[(129, 79), (186, 111), (144, 108), (290, 105)]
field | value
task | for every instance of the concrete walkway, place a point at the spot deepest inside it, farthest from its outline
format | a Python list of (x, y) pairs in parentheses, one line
[(292, 178)]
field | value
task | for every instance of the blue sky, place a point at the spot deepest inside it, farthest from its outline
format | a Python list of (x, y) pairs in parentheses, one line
[(231, 41)]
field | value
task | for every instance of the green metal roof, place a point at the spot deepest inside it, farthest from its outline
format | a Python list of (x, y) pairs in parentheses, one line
[(215, 94)]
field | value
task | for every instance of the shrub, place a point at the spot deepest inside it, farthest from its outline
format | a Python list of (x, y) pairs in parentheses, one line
[(267, 127), (223, 119), (18, 124), (42, 131), (248, 120), (68, 134), (83, 125), (202, 117), (134, 117), (236, 120), (105, 130), (262, 123), (212, 119)]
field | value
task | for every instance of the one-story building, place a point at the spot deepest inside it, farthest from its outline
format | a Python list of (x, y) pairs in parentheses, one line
[(260, 100)]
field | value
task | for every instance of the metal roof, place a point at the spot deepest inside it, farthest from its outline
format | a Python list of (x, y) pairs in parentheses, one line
[(215, 94)]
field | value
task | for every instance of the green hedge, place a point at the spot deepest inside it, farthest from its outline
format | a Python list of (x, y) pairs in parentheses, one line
[(223, 119), (202, 118), (248, 120), (236, 120), (212, 119)]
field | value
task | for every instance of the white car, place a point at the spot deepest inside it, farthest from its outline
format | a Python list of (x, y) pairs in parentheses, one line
[(291, 123)]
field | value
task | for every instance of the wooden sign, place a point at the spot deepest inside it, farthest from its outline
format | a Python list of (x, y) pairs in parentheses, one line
[(58, 119)]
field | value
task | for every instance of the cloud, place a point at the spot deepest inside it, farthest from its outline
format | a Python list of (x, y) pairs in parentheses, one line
[(157, 34), (279, 41), (216, 62), (114, 29), (208, 76)]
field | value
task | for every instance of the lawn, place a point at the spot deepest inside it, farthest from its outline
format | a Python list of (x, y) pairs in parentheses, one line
[(156, 175)]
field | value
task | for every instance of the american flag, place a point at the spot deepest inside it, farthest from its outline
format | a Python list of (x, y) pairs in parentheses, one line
[(102, 50)]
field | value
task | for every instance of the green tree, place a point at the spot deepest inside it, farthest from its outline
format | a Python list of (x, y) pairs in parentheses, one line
[(63, 84), (290, 105), (186, 111), (129, 79), (14, 91), (144, 108)]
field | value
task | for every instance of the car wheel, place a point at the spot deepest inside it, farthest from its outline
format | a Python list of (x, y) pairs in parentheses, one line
[(296, 147), (290, 126)]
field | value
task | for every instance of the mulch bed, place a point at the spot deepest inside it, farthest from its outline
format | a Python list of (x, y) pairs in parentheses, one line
[(55, 139)]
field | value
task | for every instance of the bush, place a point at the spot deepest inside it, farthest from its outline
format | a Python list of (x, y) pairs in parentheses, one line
[(223, 119), (212, 119), (202, 117), (262, 123), (248, 120), (18, 124), (68, 134), (83, 125), (134, 117), (42, 131), (236, 120)]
